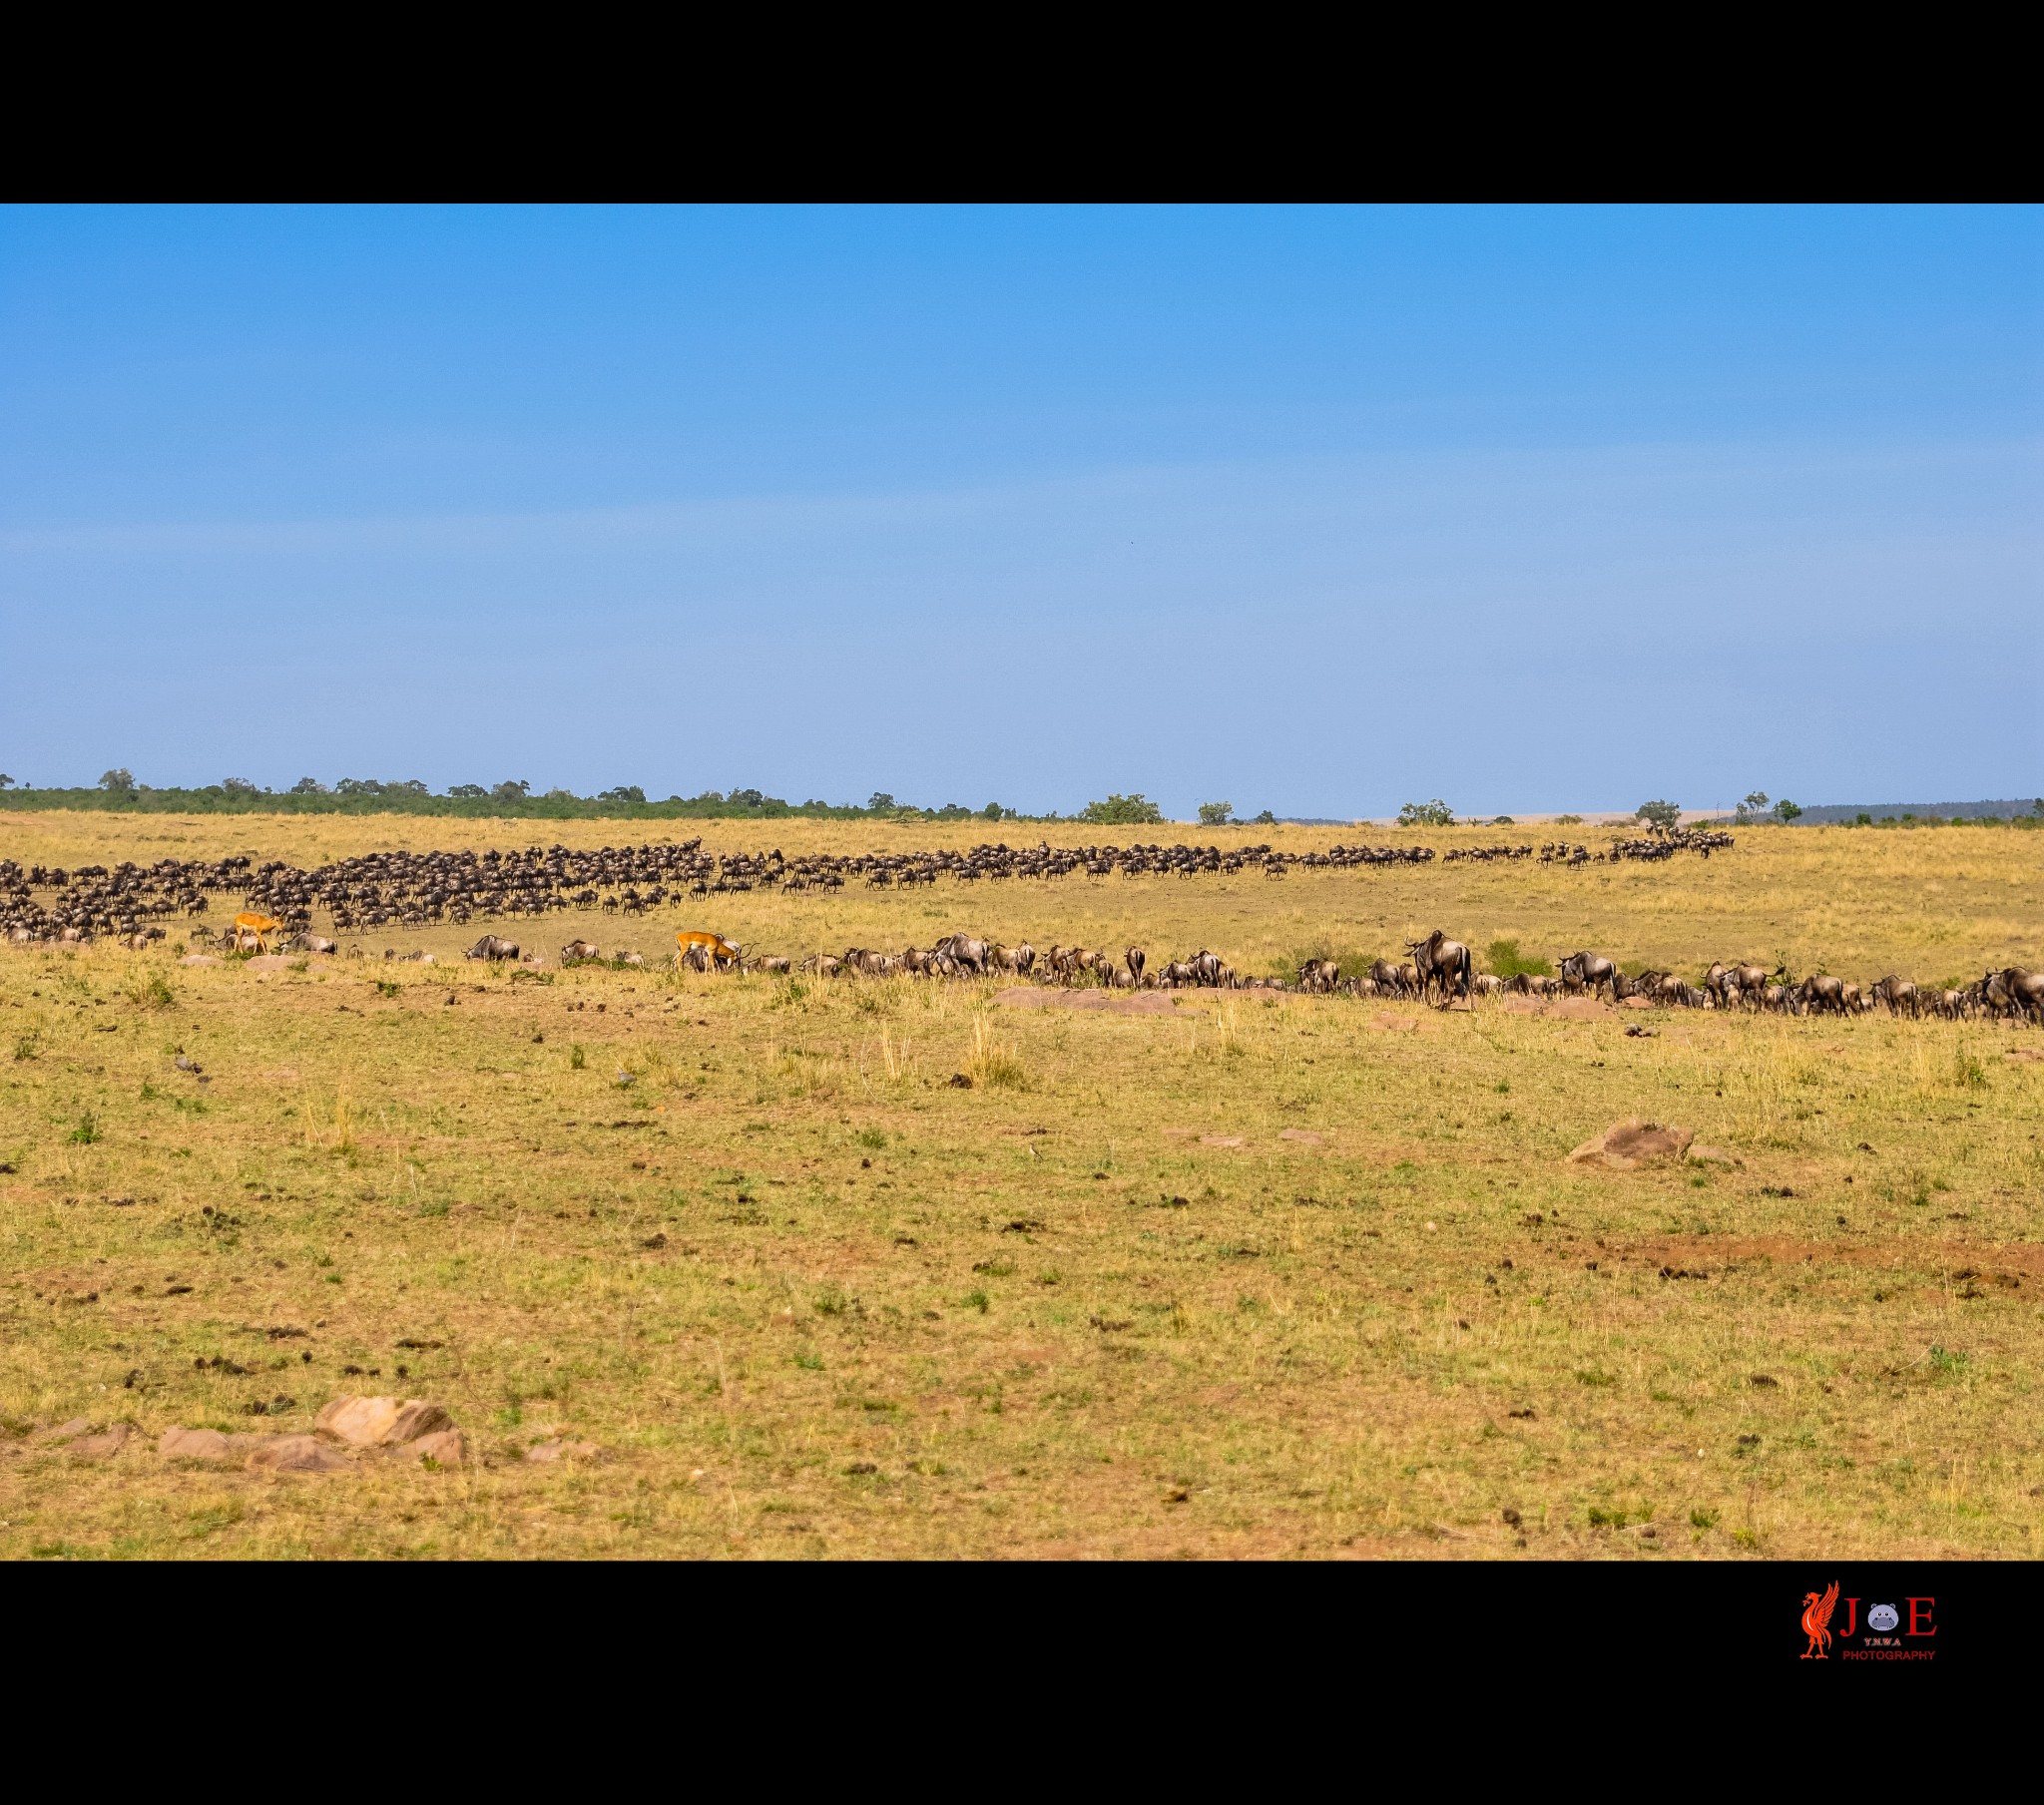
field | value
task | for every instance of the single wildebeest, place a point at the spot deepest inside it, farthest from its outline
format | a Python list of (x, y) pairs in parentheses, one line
[(777, 966), (1754, 980), (1384, 975), (1488, 985), (1589, 970), (308, 943), (1439, 960), (1207, 968), (1319, 976), (1178, 973), (1824, 995), (972, 953), (1137, 959), (2025, 990), (577, 950), (492, 947)]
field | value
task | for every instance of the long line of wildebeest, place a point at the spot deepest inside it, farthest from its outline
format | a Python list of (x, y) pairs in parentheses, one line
[(417, 889), (425, 888)]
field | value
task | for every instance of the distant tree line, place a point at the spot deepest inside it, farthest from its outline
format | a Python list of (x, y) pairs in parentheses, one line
[(117, 791)]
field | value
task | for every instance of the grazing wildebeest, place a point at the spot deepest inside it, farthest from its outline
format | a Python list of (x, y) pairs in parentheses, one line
[(1591, 972), (2024, 991), (1442, 961), (1824, 995), (1754, 980), (1488, 985), (578, 950), (492, 947), (1137, 959), (1179, 973), (778, 967), (1319, 976), (308, 943), (1385, 976), (971, 953), (1531, 984), (1208, 969)]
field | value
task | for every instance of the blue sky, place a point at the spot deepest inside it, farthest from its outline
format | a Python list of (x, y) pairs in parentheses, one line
[(1316, 510)]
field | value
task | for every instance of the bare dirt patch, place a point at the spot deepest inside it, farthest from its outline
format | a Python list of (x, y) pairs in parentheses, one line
[(1099, 1002)]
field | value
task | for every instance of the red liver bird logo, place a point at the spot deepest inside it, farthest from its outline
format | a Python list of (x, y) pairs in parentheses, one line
[(1817, 1622)]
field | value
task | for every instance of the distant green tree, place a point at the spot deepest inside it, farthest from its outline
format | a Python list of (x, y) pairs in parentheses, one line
[(474, 791), (1663, 815), (119, 780), (1426, 814), (512, 790), (1216, 814), (1122, 811), (1502, 821), (1755, 805), (1266, 819), (237, 787), (993, 811), (6, 783), (309, 786), (625, 792), (881, 803), (1786, 810), (1568, 820)]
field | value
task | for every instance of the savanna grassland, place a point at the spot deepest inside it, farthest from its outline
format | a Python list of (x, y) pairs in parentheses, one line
[(1257, 1276)]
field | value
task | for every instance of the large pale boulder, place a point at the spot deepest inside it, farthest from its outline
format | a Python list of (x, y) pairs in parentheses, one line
[(381, 1422), (360, 1422)]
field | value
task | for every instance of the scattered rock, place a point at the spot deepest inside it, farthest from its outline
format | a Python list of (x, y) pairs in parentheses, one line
[(193, 1445), (65, 1432), (99, 1447), (417, 1419), (443, 1447), (198, 959), (1304, 1136), (382, 1421), (1626, 1146), (298, 1454), (2023, 1053), (363, 1422)]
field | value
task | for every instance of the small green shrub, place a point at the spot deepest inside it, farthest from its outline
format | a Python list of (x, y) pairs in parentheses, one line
[(1504, 960)]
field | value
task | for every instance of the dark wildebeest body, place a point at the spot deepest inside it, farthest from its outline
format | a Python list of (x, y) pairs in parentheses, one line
[(1385, 976), (492, 947), (1824, 995), (1439, 960), (1591, 972)]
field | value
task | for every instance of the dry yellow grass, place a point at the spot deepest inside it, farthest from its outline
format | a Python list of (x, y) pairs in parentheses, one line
[(807, 1297)]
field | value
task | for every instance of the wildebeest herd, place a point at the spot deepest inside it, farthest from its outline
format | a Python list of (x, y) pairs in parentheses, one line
[(1435, 969), (129, 903), (418, 889)]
